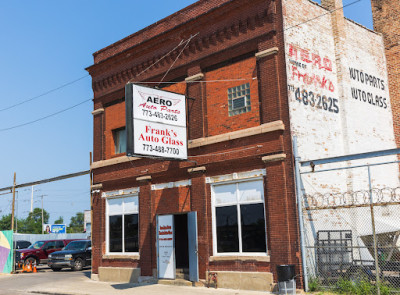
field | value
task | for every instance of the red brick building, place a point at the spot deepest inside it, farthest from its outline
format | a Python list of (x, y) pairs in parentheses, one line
[(386, 21), (245, 149), (228, 58)]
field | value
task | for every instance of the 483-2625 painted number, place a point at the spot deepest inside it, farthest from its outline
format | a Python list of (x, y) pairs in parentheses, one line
[(317, 100)]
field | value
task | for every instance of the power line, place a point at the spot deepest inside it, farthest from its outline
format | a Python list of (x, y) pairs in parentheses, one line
[(43, 94), (184, 47), (329, 12), (61, 177), (45, 117)]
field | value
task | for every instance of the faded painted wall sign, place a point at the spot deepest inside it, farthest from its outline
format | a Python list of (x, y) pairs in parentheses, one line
[(368, 88), (338, 96)]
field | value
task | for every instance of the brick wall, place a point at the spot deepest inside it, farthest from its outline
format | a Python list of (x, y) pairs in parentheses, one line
[(386, 21), (219, 120), (114, 119)]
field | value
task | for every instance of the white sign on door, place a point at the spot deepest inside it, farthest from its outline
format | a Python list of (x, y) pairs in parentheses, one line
[(166, 252)]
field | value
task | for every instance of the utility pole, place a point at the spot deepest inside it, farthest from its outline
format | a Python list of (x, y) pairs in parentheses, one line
[(16, 218), (32, 199), (42, 213), (13, 202)]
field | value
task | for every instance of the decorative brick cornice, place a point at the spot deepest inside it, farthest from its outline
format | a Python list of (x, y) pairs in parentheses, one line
[(163, 61)]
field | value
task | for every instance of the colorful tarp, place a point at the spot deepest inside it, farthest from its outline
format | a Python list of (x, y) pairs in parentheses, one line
[(6, 251)]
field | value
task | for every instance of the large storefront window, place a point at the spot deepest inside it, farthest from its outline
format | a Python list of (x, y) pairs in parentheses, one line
[(123, 225), (239, 218)]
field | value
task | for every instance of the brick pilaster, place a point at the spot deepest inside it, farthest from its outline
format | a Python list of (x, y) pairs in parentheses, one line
[(201, 204), (195, 104), (145, 230)]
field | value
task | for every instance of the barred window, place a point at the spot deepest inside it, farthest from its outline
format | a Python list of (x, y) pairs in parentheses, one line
[(239, 99)]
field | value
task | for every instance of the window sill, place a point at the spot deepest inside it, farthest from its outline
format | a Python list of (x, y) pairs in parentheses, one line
[(265, 258), (122, 256)]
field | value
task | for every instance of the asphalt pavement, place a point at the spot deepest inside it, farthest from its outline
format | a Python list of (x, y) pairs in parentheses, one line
[(67, 282)]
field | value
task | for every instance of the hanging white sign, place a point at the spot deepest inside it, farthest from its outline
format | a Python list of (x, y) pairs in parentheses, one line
[(156, 123)]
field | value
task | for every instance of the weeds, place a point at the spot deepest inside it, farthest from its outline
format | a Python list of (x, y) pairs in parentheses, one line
[(360, 287), (314, 284), (347, 287)]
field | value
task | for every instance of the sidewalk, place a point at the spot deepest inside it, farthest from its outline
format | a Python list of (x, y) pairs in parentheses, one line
[(81, 284), (93, 287)]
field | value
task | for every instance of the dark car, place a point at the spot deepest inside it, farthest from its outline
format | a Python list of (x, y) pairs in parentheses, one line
[(75, 255), (38, 251), (21, 244)]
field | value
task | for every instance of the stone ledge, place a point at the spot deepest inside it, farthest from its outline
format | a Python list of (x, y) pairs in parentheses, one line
[(264, 128), (98, 111), (125, 257), (97, 186), (266, 258), (144, 178), (110, 162), (273, 158), (197, 169), (196, 77), (270, 51)]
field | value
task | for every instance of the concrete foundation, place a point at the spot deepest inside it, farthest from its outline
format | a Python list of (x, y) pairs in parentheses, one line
[(119, 274), (256, 281)]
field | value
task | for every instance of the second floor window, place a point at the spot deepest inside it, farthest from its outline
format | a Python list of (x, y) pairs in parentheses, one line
[(119, 140), (239, 99)]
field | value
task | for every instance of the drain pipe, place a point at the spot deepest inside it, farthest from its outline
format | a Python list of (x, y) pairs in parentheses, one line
[(300, 212)]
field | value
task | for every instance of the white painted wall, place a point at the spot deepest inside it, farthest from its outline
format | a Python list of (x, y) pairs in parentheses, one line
[(355, 126)]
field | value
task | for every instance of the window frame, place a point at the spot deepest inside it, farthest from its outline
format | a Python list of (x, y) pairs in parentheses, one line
[(238, 212), (246, 97), (116, 137), (107, 217)]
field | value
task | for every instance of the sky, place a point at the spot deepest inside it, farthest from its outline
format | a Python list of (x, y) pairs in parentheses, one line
[(45, 46)]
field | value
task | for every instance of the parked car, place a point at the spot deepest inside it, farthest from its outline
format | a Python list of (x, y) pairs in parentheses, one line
[(38, 251), (75, 255), (21, 244)]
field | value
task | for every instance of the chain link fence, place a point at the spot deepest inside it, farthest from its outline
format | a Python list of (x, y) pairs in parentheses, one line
[(353, 238)]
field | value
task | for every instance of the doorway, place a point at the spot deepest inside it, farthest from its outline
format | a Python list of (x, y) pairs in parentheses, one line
[(181, 242), (177, 246)]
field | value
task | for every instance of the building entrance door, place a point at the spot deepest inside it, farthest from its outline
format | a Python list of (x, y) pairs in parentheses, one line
[(177, 245)]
